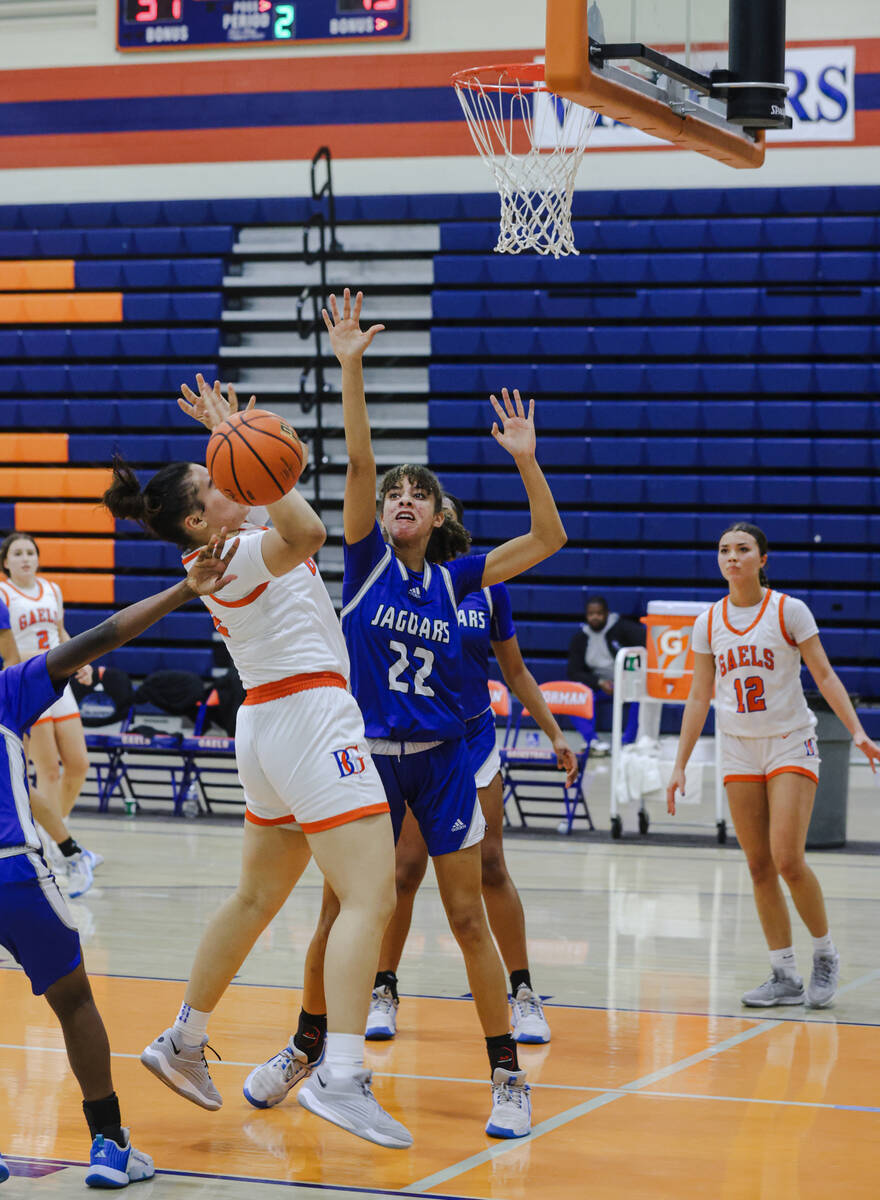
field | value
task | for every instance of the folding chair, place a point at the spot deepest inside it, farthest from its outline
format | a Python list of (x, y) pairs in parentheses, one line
[(206, 755), (499, 698), (158, 755), (527, 766)]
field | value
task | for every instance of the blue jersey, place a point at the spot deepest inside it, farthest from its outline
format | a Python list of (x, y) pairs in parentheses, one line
[(401, 629), (25, 692), (483, 617)]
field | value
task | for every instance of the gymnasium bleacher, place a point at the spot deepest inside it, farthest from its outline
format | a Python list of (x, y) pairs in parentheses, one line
[(710, 355)]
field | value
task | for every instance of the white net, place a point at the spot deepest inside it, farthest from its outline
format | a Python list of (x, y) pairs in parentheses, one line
[(533, 142)]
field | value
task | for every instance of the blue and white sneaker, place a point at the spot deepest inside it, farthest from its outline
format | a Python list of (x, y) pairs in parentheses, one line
[(79, 874), (112, 1166), (267, 1085), (382, 1017), (4, 1170), (511, 1115), (95, 860), (529, 1023)]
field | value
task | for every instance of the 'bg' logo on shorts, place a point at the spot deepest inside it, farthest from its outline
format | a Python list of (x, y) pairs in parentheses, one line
[(810, 747), (349, 761)]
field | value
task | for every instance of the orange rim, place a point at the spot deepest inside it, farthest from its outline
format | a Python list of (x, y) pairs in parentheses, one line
[(524, 77)]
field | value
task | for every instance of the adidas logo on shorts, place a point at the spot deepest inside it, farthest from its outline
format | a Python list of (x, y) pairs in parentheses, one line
[(458, 826)]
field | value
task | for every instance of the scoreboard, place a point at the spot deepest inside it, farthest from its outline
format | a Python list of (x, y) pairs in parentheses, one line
[(179, 24)]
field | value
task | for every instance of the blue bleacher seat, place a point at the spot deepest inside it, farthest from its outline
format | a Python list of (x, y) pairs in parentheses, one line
[(17, 243)]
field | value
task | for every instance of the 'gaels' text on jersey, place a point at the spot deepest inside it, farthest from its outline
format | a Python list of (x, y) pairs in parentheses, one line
[(758, 689), (483, 617), (402, 633), (33, 619)]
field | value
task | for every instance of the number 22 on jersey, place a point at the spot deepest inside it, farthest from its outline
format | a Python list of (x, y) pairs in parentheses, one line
[(397, 669)]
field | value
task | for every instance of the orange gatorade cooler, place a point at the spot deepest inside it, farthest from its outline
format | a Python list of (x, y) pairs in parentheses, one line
[(670, 667)]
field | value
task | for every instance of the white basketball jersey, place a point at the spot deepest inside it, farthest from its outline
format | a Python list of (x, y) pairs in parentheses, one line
[(276, 626), (758, 689), (33, 619)]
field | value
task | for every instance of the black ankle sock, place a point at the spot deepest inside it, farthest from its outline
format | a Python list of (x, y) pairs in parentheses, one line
[(103, 1117), (518, 977), (69, 847), (387, 979), (311, 1033), (502, 1052)]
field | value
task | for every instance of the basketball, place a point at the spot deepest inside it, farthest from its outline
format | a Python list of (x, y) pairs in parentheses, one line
[(255, 457)]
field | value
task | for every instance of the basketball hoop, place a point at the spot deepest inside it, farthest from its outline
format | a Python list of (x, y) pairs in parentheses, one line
[(533, 142)]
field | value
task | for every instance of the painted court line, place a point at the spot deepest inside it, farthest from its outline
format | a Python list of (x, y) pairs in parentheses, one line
[(580, 1110)]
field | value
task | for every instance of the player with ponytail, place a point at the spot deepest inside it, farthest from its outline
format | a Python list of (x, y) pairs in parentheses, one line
[(748, 647)]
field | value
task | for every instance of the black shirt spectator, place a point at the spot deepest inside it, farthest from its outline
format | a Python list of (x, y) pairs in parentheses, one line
[(593, 648)]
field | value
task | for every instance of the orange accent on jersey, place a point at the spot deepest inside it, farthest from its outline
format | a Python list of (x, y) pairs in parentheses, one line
[(222, 630), (264, 692), (249, 599), (343, 818), (189, 557), (709, 627), (785, 634), (313, 567), (255, 820), (33, 599), (743, 779), (794, 771), (761, 611)]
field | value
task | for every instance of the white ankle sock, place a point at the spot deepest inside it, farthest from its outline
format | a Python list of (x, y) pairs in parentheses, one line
[(824, 945), (345, 1053), (191, 1025), (784, 961)]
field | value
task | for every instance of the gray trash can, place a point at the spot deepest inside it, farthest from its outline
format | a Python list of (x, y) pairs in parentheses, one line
[(828, 823)]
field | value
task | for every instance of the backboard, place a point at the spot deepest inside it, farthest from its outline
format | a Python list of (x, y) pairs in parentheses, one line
[(667, 67)]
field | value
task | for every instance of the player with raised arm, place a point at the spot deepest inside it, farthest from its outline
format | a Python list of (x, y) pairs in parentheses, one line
[(36, 926), (486, 624), (400, 620), (749, 647), (310, 785), (32, 620)]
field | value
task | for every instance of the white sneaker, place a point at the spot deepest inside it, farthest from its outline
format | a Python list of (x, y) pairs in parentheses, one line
[(348, 1101), (511, 1115), (382, 1017), (529, 1023), (182, 1068), (268, 1084), (824, 980), (79, 874), (95, 860)]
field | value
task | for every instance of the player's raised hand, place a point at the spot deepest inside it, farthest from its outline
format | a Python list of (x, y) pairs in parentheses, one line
[(517, 432), (207, 574), (210, 407), (676, 784), (347, 338)]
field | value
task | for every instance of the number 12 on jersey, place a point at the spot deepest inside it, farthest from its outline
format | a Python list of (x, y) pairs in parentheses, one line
[(750, 694), (396, 670)]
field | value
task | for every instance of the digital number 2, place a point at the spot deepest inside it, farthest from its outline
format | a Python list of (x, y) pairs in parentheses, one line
[(753, 699), (284, 14), (148, 10), (420, 687)]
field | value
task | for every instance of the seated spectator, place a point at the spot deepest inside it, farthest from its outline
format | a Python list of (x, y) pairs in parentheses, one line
[(592, 651)]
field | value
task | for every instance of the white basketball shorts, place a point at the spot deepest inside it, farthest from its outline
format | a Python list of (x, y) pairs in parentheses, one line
[(303, 761), (746, 760)]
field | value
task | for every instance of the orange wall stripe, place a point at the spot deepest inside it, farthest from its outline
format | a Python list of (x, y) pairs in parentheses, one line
[(33, 447), (63, 518), (84, 589), (243, 76), (258, 143), (76, 553), (67, 483), (37, 275), (53, 308)]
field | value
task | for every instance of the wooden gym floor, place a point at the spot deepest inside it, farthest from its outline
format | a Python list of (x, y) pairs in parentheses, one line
[(657, 1082)]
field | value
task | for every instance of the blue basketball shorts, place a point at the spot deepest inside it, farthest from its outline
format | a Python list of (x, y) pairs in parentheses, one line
[(438, 785), (36, 926), (479, 734)]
